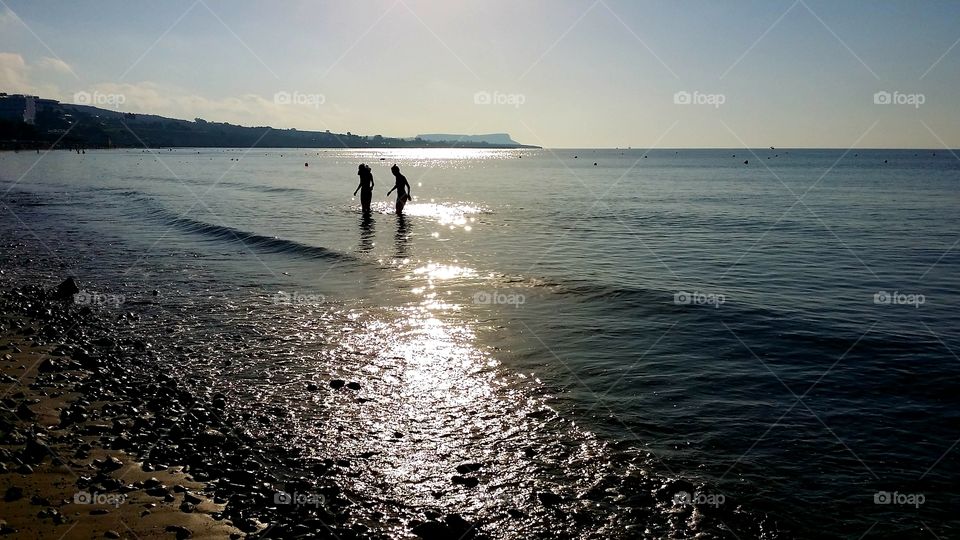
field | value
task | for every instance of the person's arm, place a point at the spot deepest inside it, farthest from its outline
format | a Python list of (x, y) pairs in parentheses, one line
[(358, 189), (391, 190)]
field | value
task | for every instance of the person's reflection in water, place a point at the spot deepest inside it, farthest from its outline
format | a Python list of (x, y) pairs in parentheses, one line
[(403, 236), (366, 233)]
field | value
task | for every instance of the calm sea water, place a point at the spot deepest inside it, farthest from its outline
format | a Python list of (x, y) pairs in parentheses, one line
[(782, 334)]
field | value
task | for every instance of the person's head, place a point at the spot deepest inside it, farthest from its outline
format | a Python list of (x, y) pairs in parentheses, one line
[(395, 169), (361, 168)]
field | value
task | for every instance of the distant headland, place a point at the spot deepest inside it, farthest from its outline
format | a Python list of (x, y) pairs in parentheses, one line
[(28, 122)]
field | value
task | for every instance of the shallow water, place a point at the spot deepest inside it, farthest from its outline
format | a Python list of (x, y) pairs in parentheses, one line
[(557, 319)]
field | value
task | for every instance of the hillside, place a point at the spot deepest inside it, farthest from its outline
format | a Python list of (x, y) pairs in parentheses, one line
[(82, 126)]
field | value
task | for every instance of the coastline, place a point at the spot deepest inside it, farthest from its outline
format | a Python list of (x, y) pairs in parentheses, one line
[(96, 441), (65, 472), (86, 421)]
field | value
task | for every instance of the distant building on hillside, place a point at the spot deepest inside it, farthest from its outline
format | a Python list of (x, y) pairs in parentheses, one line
[(22, 107)]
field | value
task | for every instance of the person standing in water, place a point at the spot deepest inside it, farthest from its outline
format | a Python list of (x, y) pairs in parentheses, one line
[(402, 187), (365, 188)]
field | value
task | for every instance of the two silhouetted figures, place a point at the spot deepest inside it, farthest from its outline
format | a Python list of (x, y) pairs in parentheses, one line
[(365, 188)]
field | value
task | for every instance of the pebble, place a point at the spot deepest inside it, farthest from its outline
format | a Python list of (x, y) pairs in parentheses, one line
[(179, 531), (548, 498), (13, 493), (467, 481)]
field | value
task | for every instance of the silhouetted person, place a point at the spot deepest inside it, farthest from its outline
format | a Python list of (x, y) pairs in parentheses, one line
[(402, 187), (365, 188)]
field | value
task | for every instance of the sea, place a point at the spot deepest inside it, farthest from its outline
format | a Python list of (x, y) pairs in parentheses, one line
[(621, 343)]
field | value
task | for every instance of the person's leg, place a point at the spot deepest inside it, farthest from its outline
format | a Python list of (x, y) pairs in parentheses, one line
[(365, 197)]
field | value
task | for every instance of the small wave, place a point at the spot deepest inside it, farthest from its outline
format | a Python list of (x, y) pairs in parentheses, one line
[(271, 244)]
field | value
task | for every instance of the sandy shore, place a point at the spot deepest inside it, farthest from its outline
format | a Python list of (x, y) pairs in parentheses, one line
[(63, 481), (97, 440)]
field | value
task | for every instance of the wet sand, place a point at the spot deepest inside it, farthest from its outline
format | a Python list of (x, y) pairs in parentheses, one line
[(97, 440), (65, 480)]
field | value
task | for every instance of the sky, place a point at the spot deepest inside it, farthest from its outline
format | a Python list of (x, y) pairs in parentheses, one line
[(555, 73)]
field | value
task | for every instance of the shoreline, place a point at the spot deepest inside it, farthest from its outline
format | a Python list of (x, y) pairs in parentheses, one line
[(63, 470), (85, 421), (96, 441)]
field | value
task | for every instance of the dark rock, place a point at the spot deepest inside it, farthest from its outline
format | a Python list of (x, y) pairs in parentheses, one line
[(157, 491), (353, 385), (66, 289), (337, 384), (191, 498), (24, 413), (467, 468), (109, 464), (467, 481), (5, 528), (151, 482), (180, 531), (548, 498), (13, 493), (35, 450), (111, 534), (453, 527), (212, 437)]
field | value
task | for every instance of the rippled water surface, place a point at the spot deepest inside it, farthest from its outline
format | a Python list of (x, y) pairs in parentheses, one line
[(607, 326)]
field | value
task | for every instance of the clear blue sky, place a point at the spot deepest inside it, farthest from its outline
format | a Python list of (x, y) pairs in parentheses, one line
[(567, 73)]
